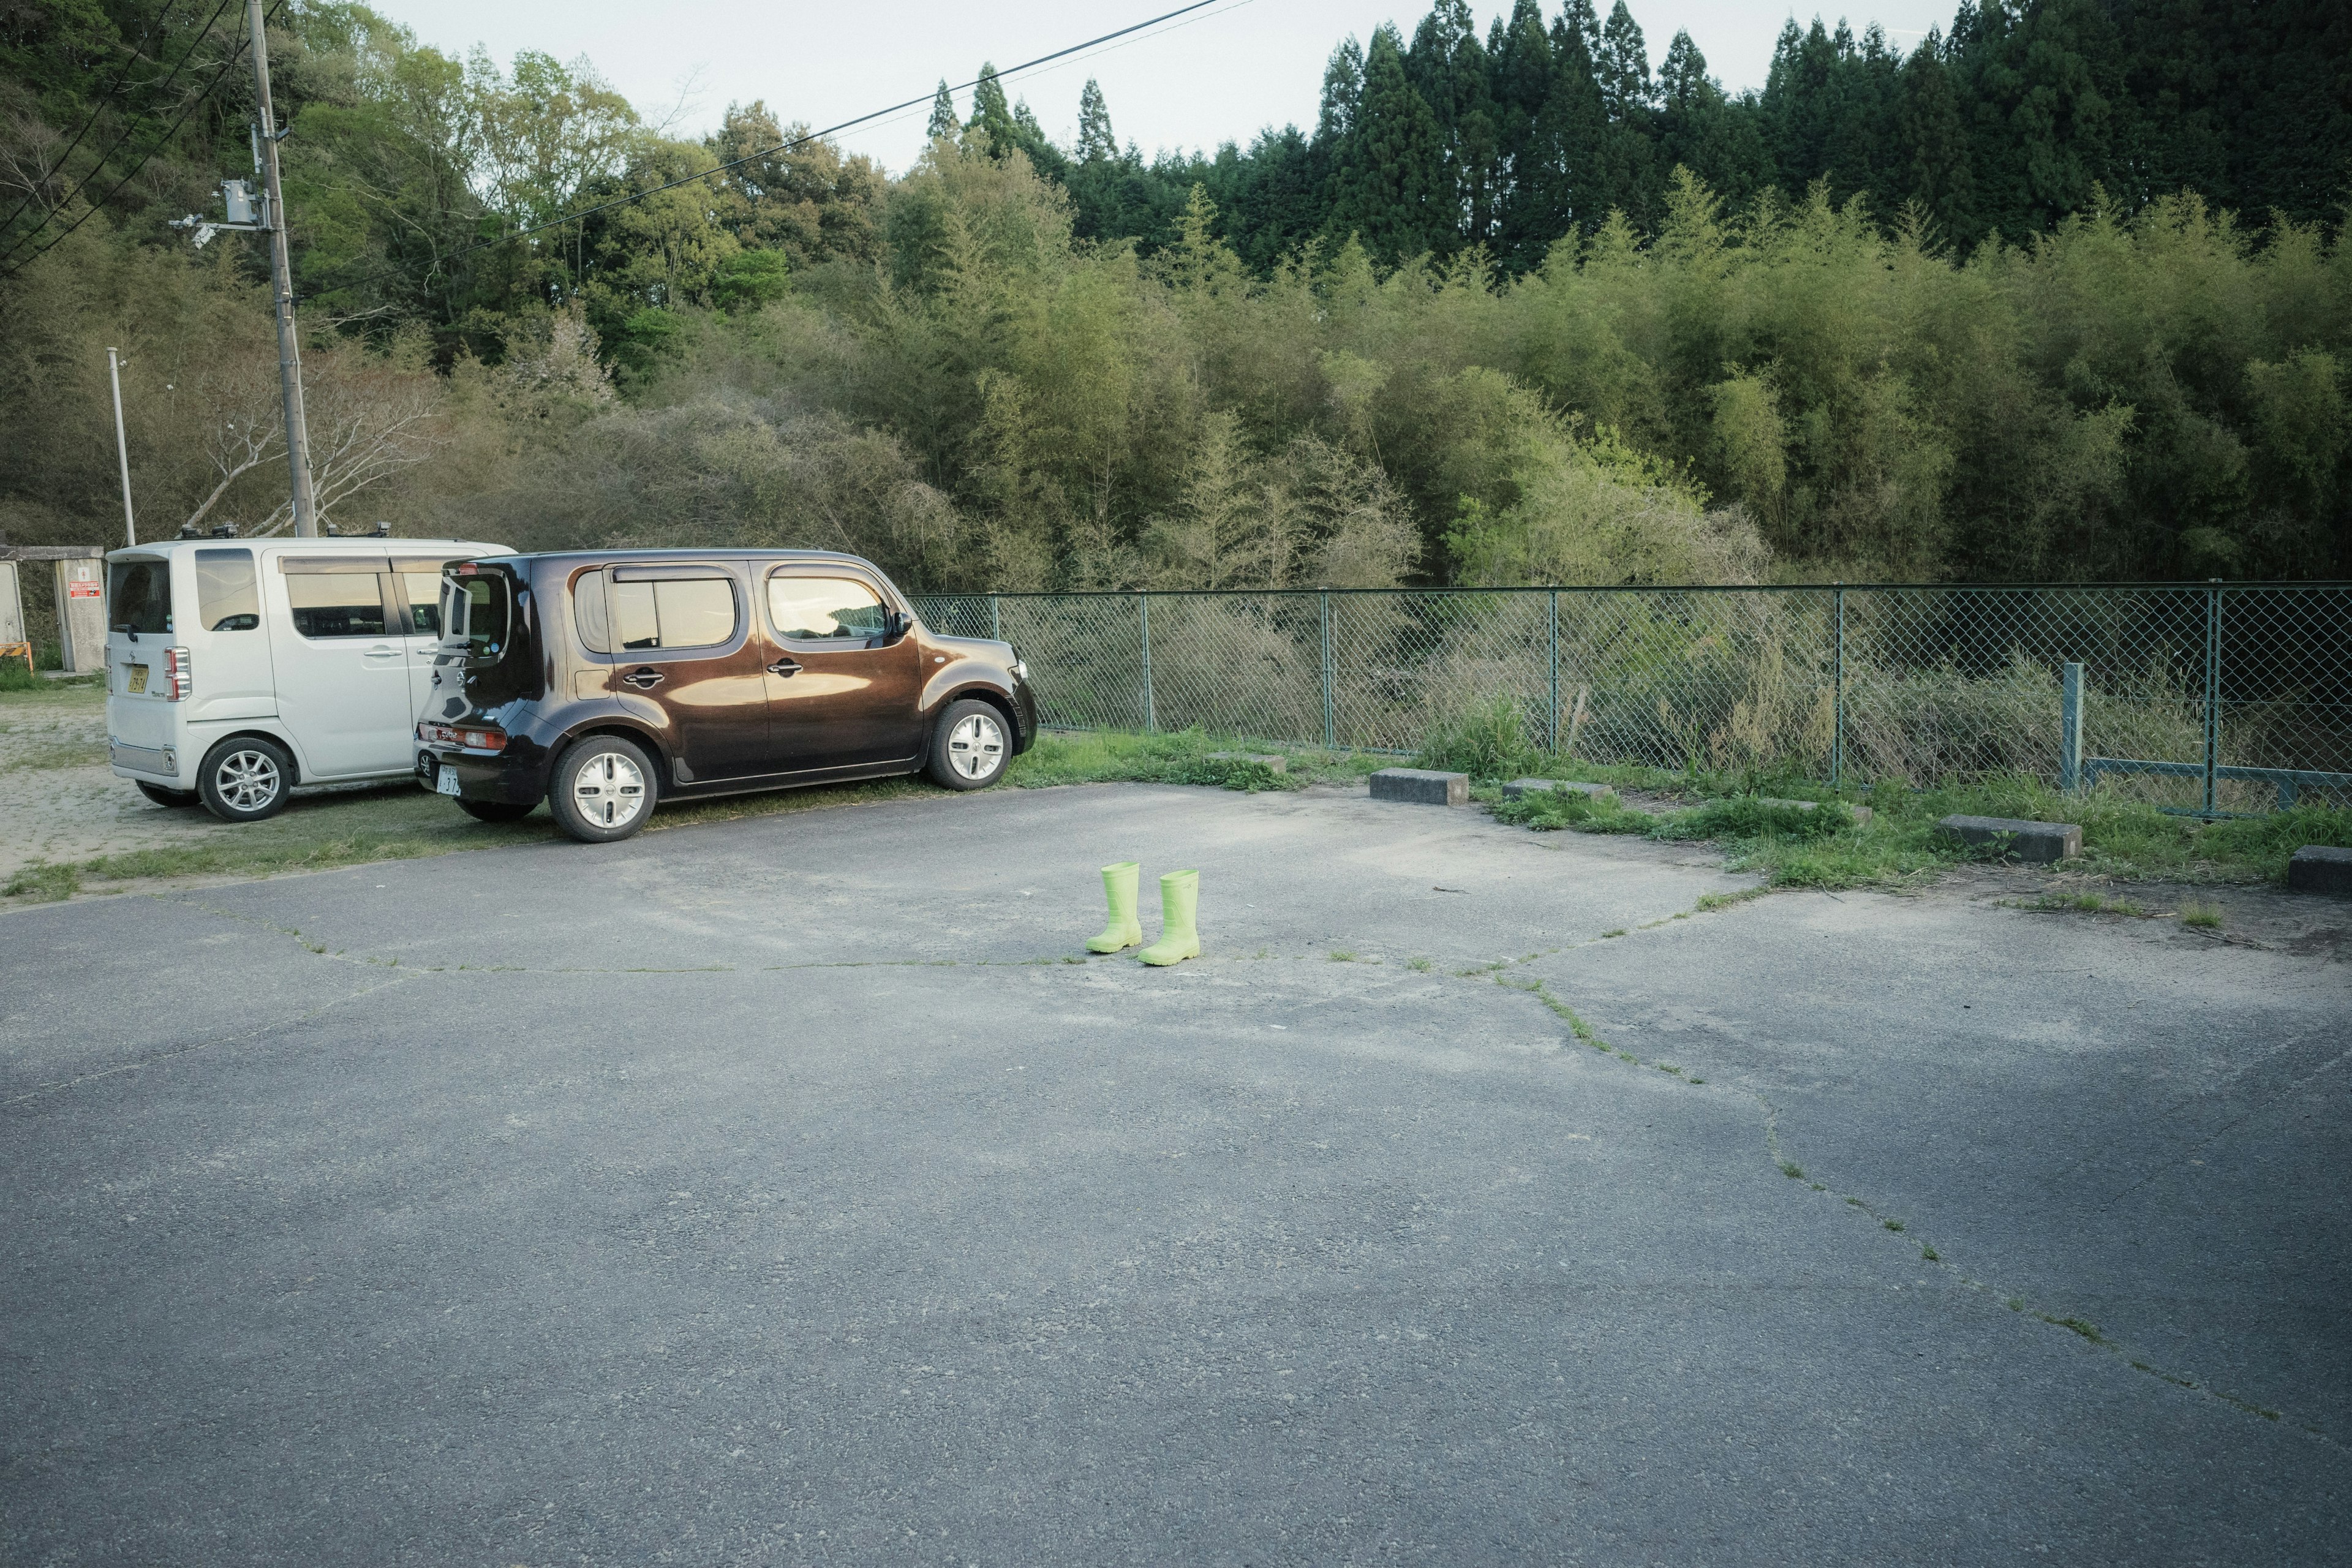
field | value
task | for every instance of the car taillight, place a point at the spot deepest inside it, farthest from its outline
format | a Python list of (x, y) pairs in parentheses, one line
[(179, 675), (472, 739)]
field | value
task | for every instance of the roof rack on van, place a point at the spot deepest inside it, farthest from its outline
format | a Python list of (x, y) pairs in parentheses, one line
[(225, 531)]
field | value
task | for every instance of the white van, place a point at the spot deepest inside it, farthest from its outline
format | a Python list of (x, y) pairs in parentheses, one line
[(237, 670)]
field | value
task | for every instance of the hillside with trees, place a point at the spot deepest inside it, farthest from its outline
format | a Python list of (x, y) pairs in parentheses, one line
[(2059, 294)]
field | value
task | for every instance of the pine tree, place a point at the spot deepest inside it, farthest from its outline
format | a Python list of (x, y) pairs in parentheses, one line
[(1522, 65), (1622, 66), (1391, 186), (1448, 66), (991, 114), (1933, 145), (943, 115), (1705, 131), (1566, 191), (1096, 143)]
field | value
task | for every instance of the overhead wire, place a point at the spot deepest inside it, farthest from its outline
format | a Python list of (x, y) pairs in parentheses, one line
[(332, 285), (162, 141), (97, 168), (98, 106)]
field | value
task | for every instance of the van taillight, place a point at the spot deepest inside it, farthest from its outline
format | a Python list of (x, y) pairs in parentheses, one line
[(473, 740), (179, 677)]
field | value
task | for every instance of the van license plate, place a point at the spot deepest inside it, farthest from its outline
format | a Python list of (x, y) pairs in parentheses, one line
[(137, 681), (448, 784)]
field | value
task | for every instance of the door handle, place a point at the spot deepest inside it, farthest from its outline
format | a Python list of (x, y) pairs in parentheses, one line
[(785, 667), (644, 679)]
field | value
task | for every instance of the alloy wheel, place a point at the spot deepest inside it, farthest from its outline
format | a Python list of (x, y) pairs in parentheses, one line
[(247, 780), (976, 746), (609, 790)]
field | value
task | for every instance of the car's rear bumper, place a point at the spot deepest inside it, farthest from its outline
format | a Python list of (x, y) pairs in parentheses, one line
[(518, 775)]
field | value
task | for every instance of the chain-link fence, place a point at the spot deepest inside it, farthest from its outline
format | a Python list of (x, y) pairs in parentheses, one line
[(2207, 699)]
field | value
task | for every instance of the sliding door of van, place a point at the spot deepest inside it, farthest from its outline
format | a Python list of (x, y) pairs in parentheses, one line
[(343, 674)]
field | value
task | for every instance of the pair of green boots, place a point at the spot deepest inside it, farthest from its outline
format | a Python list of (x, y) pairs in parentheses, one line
[(1180, 908)]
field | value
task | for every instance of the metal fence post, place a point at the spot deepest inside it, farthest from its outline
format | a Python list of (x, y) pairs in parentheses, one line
[(1143, 619), (1330, 679), (2212, 689), (1552, 637), (1837, 698), (995, 618), (2070, 728)]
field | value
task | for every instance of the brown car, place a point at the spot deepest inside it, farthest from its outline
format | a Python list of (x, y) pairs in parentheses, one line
[(603, 683)]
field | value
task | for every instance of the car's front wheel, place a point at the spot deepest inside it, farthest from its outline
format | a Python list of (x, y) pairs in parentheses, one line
[(971, 746), (245, 778), (604, 789)]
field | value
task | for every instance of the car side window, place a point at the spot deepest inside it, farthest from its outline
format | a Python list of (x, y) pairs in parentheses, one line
[(228, 593), (420, 582), (825, 609), (336, 604), (694, 612)]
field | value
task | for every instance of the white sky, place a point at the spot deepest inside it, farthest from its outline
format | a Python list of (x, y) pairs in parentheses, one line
[(1217, 75)]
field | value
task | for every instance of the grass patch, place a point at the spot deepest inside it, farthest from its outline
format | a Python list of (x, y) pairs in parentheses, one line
[(1118, 756), (2081, 903), (2205, 917), (44, 754), (1341, 956)]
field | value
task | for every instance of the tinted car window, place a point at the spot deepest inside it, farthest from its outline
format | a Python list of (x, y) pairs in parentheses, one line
[(139, 595), (228, 593), (588, 612), (479, 613), (697, 612), (336, 604), (820, 609)]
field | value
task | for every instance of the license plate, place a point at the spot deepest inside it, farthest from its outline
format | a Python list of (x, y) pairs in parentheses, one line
[(448, 784), (138, 679)]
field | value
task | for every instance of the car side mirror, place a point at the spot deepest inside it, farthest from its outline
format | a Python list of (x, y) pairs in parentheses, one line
[(897, 625)]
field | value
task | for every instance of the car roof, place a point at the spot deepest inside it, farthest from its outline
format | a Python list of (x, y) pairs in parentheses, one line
[(732, 552), (376, 544)]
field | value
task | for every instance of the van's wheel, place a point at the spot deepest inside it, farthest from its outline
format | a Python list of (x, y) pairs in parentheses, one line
[(164, 795), (605, 788), (245, 778), (498, 810), (971, 746)]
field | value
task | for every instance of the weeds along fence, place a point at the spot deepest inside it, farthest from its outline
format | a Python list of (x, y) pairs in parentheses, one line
[(2207, 699)]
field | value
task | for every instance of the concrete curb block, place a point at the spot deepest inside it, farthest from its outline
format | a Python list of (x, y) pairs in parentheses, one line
[(1518, 787), (1860, 812), (1420, 786), (2320, 868), (1267, 760), (2043, 843)]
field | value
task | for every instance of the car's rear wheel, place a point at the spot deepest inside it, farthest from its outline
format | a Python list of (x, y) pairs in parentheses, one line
[(971, 746), (604, 789), (162, 794), (498, 810), (245, 778)]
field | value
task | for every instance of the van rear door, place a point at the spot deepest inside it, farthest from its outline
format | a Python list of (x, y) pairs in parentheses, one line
[(341, 662)]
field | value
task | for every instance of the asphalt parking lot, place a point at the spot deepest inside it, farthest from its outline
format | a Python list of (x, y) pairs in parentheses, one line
[(784, 1191)]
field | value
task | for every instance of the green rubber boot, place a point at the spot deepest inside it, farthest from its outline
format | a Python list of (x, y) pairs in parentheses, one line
[(1125, 930), (1180, 908)]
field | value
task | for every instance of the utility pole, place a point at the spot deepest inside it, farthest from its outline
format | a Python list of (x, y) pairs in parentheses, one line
[(122, 447), (281, 286)]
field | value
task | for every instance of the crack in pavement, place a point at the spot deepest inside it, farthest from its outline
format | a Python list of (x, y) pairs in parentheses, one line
[(1929, 1254), (161, 1056)]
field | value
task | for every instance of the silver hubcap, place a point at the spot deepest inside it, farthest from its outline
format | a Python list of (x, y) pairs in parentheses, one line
[(247, 781), (610, 790), (976, 746)]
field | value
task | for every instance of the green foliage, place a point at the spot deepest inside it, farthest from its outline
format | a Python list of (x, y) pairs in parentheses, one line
[(1510, 311), (1487, 741)]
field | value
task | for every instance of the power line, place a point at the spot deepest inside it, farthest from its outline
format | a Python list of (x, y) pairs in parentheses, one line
[(99, 107), (161, 142), (763, 153)]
